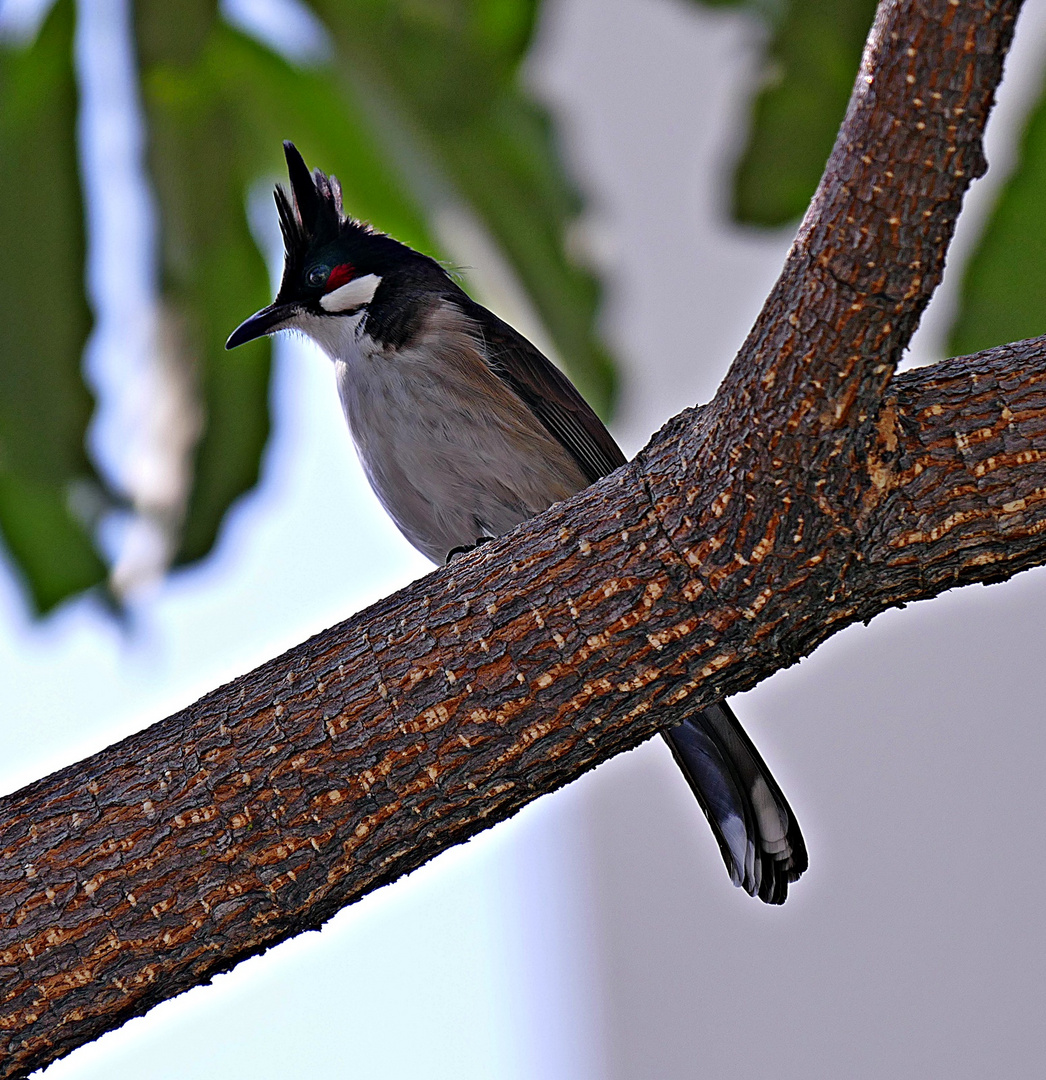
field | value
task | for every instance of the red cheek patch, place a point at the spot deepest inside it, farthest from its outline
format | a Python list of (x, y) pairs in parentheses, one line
[(340, 275)]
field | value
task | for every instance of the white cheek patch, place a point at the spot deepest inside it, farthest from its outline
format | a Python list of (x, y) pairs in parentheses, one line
[(352, 294)]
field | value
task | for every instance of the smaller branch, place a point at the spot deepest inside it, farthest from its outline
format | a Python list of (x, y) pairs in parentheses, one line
[(961, 465)]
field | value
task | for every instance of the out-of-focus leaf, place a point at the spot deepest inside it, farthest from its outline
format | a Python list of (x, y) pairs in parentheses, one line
[(1004, 285), (811, 65), (274, 100), (44, 319), (212, 274), (439, 83)]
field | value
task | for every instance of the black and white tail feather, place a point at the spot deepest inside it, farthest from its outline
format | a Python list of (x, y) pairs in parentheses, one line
[(757, 832)]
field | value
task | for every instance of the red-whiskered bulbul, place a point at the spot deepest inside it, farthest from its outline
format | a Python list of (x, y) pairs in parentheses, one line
[(464, 430)]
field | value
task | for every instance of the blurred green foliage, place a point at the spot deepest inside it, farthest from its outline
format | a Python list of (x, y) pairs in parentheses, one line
[(808, 73), (44, 321), (419, 110), (1003, 296)]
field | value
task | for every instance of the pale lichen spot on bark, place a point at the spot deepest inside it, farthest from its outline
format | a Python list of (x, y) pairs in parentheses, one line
[(595, 688), (692, 590), (918, 536), (613, 587), (762, 549), (661, 638), (983, 558), (584, 546), (535, 731), (638, 682), (429, 719)]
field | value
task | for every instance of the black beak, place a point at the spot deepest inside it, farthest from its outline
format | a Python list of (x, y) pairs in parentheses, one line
[(267, 321)]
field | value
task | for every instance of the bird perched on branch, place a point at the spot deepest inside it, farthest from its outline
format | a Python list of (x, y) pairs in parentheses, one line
[(464, 430)]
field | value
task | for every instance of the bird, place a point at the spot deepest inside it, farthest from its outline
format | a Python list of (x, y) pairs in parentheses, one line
[(464, 430)]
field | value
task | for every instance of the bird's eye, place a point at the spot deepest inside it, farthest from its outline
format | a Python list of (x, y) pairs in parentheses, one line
[(317, 276)]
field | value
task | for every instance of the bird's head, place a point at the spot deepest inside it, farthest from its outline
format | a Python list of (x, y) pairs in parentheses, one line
[(333, 264)]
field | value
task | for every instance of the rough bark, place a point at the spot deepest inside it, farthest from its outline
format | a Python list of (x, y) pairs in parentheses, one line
[(817, 489)]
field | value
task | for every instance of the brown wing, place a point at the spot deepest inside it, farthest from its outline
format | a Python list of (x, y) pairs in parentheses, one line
[(547, 392)]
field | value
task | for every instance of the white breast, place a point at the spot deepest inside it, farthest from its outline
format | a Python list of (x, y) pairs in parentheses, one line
[(451, 452)]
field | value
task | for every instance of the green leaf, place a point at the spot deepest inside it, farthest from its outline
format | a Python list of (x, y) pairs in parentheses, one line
[(274, 100), (201, 163), (811, 65), (1004, 285), (439, 85), (44, 319)]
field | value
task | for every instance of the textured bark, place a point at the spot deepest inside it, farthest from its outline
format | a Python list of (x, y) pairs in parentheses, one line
[(817, 488)]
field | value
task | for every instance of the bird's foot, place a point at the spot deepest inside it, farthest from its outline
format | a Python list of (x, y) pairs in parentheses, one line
[(468, 547)]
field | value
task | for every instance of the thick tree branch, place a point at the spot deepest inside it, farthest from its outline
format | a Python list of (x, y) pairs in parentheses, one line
[(816, 489)]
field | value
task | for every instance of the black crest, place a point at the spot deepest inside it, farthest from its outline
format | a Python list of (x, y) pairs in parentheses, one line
[(312, 218), (311, 214), (314, 214)]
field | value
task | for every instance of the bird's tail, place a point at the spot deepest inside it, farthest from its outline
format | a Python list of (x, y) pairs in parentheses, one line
[(757, 832)]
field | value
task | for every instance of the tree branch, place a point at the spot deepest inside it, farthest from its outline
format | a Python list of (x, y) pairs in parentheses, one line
[(815, 490)]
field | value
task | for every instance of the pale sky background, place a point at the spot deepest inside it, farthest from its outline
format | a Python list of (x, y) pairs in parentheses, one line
[(596, 934)]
